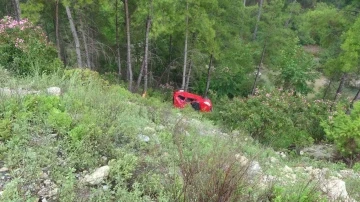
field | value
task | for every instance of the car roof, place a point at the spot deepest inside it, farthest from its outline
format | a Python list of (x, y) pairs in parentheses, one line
[(188, 95)]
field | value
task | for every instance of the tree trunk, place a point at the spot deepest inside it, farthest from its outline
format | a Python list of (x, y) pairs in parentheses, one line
[(17, 10), (146, 54), (88, 64), (244, 3), (258, 19), (258, 70), (208, 76), (57, 30), (289, 19), (341, 86), (118, 58), (188, 76), (353, 101), (140, 75), (327, 89), (339, 90), (128, 61), (170, 59), (92, 48), (76, 38), (185, 48)]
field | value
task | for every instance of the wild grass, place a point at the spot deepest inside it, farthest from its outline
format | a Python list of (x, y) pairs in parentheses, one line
[(186, 158)]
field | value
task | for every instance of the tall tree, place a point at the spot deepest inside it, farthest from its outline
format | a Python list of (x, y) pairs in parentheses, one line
[(75, 36), (258, 70), (185, 46), (208, 76), (57, 33), (85, 43), (188, 75), (117, 27), (146, 54), (128, 44), (351, 50), (17, 10), (258, 19)]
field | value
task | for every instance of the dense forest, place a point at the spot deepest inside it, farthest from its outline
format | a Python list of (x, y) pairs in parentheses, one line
[(182, 44), (86, 88), (270, 55)]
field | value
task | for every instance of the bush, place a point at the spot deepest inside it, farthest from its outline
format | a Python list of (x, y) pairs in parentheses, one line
[(33, 109), (344, 130), (277, 118), (84, 76), (24, 48), (305, 193)]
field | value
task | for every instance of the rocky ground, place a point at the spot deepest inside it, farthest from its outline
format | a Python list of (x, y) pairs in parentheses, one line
[(263, 171)]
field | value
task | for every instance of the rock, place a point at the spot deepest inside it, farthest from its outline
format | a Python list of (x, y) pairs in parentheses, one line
[(308, 169), (335, 190), (347, 173), (287, 169), (281, 154), (53, 192), (47, 192), (47, 182), (299, 169), (4, 169), (317, 173), (242, 159), (266, 181), (144, 138), (320, 152), (273, 160), (104, 158), (98, 176), (44, 175), (235, 133), (254, 169), (160, 128), (54, 135), (6, 91), (19, 91), (54, 91), (149, 130)]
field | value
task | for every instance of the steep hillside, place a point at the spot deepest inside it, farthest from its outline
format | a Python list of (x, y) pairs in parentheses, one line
[(86, 140)]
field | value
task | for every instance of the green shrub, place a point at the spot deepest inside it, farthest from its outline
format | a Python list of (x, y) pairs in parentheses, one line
[(277, 118), (344, 130), (356, 167), (78, 132), (84, 76), (33, 109), (307, 193), (60, 121), (5, 129), (24, 48)]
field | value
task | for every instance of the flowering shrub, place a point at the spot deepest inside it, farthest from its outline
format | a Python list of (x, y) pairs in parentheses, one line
[(277, 118), (344, 130), (24, 48)]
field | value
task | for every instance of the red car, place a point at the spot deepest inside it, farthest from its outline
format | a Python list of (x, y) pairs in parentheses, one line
[(182, 98)]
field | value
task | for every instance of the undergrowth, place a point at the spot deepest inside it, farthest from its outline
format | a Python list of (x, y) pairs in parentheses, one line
[(155, 152)]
